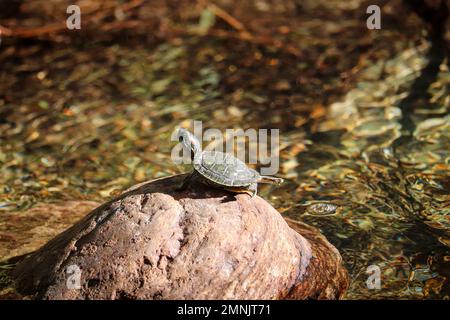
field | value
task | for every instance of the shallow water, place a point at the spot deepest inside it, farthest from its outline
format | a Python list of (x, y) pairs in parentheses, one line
[(366, 160), (390, 186)]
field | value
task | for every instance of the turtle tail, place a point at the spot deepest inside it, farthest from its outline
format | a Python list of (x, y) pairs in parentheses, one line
[(269, 179)]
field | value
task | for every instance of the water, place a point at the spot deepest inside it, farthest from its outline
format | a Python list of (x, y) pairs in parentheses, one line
[(392, 189), (365, 157)]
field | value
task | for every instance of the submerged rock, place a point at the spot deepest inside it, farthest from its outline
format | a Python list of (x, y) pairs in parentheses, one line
[(154, 242)]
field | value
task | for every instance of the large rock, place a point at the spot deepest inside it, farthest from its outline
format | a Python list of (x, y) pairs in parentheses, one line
[(154, 242)]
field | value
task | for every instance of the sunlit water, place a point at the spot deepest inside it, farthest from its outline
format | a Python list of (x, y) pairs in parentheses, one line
[(391, 186)]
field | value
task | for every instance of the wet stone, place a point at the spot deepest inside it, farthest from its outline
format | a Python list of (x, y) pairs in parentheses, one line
[(153, 242), (322, 209)]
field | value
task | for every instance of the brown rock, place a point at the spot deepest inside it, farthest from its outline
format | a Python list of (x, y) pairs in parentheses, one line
[(153, 242)]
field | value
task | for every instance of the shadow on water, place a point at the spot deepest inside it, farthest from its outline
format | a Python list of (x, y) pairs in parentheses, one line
[(376, 191), (436, 55), (418, 91), (420, 232)]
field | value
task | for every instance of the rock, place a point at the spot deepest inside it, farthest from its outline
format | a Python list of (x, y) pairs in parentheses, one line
[(153, 242), (326, 278)]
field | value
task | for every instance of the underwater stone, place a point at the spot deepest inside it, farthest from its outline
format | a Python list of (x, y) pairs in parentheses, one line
[(154, 242)]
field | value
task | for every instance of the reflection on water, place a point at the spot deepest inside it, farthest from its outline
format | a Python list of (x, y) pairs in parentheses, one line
[(370, 169), (393, 195)]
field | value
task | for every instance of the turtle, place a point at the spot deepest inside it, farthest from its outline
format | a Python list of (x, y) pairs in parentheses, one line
[(219, 169)]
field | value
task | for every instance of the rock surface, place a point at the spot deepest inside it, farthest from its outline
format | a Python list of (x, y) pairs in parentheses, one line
[(154, 242)]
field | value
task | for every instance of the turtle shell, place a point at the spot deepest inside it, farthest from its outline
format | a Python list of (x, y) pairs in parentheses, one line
[(225, 169)]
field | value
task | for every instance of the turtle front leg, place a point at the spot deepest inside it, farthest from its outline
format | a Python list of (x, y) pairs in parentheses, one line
[(186, 182), (253, 189)]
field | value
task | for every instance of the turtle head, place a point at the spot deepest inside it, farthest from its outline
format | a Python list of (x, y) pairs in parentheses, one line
[(189, 142)]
